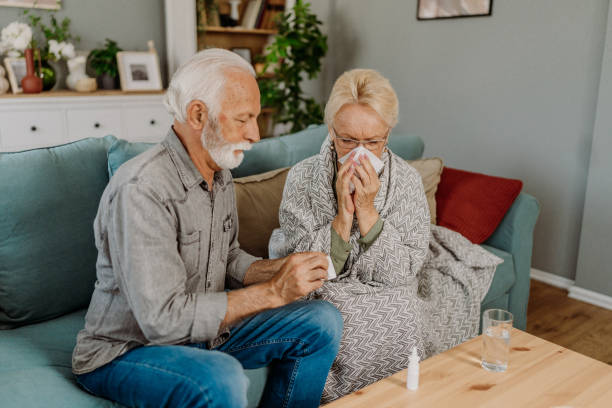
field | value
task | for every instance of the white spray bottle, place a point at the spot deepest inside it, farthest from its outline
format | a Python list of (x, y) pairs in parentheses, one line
[(412, 379)]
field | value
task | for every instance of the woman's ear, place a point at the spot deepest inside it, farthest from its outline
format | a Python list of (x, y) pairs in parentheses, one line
[(197, 115)]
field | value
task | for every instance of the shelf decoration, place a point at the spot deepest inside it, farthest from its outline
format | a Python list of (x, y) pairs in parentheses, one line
[(40, 4), (440, 9), (139, 71)]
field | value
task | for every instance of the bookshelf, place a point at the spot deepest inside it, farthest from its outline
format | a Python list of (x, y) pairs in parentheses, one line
[(238, 30), (253, 34), (234, 37)]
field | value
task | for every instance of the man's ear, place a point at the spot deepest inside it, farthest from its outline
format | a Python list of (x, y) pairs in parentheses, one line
[(197, 115)]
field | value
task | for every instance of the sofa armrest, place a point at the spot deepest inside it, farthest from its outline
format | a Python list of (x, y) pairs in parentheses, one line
[(515, 235)]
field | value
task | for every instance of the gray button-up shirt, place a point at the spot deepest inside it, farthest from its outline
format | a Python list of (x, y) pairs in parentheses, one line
[(167, 249)]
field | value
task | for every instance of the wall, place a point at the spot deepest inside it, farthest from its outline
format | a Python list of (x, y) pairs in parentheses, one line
[(512, 95), (594, 267), (129, 22)]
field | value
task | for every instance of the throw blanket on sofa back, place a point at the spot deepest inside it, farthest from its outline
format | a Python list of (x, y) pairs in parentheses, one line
[(417, 285)]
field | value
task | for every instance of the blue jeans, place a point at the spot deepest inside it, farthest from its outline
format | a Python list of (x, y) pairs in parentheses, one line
[(298, 342)]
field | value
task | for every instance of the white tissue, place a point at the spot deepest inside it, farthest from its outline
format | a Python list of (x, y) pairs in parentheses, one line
[(331, 271), (374, 161)]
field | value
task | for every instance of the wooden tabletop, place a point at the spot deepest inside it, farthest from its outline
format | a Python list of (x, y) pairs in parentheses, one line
[(540, 374)]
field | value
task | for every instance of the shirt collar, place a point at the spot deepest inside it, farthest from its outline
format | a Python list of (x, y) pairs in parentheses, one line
[(189, 174)]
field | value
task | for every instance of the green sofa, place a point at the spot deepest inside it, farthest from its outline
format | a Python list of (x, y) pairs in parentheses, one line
[(48, 200)]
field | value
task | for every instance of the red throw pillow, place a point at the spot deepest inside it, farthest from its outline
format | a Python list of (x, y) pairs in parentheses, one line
[(474, 204)]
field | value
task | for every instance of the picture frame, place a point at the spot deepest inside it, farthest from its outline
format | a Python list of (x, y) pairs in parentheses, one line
[(244, 53), (139, 71), (444, 9), (15, 71), (39, 4)]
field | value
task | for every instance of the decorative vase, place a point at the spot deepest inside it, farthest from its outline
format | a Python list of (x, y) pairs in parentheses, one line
[(31, 83), (76, 66), (48, 76), (60, 69), (86, 84), (105, 81), (4, 83), (234, 14)]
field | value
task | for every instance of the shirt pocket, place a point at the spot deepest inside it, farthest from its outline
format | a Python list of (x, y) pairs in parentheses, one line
[(189, 249)]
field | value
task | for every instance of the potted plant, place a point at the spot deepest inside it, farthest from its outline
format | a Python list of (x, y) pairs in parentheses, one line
[(104, 62), (296, 52)]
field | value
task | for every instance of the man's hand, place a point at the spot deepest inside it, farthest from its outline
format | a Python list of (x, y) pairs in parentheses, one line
[(346, 209), (299, 275), (366, 184), (275, 283)]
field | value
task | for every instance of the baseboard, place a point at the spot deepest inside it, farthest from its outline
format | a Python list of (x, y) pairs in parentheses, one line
[(589, 296), (551, 279), (574, 291)]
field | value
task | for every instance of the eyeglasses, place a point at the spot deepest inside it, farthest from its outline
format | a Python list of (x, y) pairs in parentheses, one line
[(350, 144)]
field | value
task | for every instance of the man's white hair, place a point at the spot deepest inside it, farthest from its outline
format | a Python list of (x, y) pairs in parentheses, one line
[(202, 78)]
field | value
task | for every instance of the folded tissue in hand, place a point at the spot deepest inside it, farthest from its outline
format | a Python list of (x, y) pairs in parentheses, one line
[(331, 271), (359, 150)]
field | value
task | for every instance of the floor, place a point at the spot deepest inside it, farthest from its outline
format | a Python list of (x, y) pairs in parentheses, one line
[(570, 323)]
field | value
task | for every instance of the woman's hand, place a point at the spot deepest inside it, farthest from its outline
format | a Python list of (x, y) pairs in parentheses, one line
[(346, 209), (366, 184)]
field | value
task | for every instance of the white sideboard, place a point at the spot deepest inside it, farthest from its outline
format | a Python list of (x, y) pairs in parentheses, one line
[(50, 119)]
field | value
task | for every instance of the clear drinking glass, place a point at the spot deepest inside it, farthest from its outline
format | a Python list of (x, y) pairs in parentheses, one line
[(496, 328)]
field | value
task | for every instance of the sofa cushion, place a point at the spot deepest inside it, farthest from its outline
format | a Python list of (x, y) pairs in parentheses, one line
[(505, 275), (430, 170), (49, 198), (122, 151), (35, 367), (258, 199), (474, 204)]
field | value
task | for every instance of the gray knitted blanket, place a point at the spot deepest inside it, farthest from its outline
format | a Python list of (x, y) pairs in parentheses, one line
[(416, 285)]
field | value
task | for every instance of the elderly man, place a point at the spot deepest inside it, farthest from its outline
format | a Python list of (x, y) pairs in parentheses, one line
[(162, 328)]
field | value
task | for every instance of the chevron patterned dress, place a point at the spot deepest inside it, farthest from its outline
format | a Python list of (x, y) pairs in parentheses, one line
[(416, 285)]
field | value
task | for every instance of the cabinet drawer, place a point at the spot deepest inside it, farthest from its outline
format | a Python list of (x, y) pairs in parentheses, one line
[(146, 123), (22, 130), (98, 122)]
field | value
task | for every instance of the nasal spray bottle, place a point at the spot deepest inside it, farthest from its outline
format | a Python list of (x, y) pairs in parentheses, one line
[(412, 380)]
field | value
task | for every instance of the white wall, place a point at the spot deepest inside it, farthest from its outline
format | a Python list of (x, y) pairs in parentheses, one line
[(512, 95), (594, 267)]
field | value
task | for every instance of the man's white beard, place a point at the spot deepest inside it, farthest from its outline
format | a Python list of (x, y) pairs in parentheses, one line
[(221, 151)]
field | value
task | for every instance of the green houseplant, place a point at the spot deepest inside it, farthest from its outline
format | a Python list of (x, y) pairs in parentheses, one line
[(296, 52), (104, 63)]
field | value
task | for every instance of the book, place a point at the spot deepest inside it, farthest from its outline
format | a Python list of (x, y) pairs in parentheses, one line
[(260, 14), (251, 13)]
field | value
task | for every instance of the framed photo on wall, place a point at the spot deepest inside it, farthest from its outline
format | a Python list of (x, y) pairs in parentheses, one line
[(15, 71), (40, 4), (139, 71), (436, 9)]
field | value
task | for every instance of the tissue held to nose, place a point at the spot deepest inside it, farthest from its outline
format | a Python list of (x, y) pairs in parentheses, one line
[(359, 150)]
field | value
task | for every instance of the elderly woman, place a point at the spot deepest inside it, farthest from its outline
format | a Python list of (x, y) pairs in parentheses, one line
[(401, 282)]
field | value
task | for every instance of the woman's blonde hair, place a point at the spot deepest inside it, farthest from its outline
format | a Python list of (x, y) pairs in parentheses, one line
[(366, 87)]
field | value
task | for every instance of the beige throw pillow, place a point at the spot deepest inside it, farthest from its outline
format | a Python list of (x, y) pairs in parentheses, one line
[(258, 199), (430, 170)]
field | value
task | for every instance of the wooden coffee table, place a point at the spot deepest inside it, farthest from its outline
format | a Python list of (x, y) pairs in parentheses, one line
[(540, 374)]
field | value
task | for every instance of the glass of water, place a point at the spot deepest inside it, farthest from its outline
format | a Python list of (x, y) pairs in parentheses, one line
[(496, 328)]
